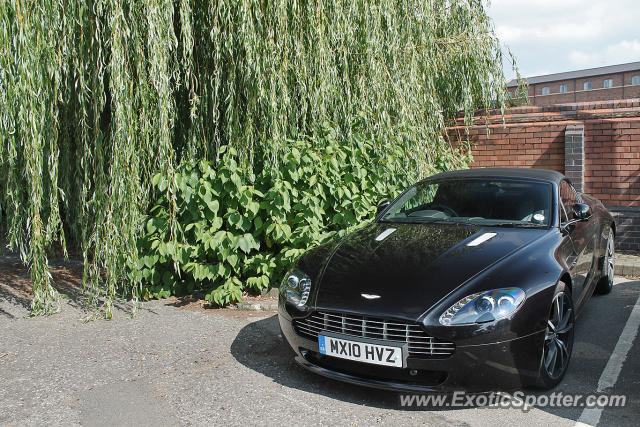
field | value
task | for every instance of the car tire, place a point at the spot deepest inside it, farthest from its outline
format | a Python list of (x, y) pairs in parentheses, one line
[(605, 284), (558, 340)]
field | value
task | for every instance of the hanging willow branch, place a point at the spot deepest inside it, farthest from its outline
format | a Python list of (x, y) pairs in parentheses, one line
[(97, 95)]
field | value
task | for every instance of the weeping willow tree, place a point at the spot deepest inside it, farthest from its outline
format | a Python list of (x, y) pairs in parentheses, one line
[(97, 95)]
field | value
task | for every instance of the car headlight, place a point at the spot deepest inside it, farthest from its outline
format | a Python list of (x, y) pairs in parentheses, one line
[(484, 307), (296, 287)]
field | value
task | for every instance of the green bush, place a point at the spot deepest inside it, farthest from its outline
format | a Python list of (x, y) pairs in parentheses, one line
[(239, 228), (96, 96)]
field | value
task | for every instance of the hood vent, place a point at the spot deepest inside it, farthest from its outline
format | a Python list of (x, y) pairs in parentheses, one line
[(386, 233), (480, 240)]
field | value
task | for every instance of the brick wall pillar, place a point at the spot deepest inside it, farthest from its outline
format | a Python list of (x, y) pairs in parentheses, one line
[(574, 155)]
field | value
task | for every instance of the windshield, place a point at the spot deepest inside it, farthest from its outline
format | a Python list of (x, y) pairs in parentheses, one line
[(479, 201)]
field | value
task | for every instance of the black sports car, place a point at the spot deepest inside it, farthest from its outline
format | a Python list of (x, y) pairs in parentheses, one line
[(469, 279)]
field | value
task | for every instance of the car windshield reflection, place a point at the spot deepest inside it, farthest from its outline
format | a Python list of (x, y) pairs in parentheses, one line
[(476, 201)]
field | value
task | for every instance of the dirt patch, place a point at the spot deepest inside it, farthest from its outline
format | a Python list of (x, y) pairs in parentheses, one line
[(16, 281)]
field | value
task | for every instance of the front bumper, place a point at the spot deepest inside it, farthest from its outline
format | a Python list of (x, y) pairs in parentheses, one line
[(502, 365)]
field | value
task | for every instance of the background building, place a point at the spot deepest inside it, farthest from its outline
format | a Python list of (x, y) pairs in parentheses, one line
[(593, 84)]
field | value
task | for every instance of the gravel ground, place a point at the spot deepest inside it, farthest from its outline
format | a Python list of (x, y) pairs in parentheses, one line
[(183, 365)]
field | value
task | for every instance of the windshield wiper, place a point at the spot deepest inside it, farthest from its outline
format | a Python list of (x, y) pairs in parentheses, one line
[(418, 220), (514, 225)]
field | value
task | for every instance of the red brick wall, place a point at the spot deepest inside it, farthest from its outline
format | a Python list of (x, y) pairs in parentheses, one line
[(612, 160), (538, 145), (534, 137)]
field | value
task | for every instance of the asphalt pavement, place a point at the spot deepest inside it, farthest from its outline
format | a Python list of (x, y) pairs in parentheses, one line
[(170, 365)]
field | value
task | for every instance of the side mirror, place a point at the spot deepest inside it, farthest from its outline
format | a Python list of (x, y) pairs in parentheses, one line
[(581, 211), (382, 206)]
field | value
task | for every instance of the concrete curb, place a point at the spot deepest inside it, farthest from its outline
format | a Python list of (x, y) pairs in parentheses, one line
[(257, 305), (268, 301), (627, 270), (628, 263)]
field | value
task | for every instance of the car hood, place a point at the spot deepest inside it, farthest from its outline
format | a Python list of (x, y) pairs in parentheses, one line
[(412, 268)]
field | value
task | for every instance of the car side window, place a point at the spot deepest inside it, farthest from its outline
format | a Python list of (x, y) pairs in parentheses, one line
[(568, 197)]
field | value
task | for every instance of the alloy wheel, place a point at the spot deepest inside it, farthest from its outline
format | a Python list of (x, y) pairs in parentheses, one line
[(610, 261), (558, 339)]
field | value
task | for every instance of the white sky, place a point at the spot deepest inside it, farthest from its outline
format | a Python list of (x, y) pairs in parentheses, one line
[(551, 36)]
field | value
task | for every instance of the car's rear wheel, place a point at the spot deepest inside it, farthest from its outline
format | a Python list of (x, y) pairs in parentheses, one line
[(558, 340), (605, 284)]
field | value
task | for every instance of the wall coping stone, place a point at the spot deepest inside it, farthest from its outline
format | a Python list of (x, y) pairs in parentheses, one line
[(595, 110)]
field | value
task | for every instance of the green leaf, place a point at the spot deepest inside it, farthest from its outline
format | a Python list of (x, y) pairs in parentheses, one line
[(246, 243), (213, 205), (215, 224), (232, 260), (258, 223), (235, 219), (253, 207)]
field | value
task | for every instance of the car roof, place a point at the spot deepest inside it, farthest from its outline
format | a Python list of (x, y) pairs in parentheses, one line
[(531, 173)]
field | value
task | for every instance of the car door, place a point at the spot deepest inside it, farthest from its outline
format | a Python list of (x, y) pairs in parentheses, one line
[(582, 235)]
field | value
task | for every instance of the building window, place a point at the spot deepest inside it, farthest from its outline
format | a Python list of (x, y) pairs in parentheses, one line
[(587, 86), (564, 88), (635, 80), (545, 90), (607, 83)]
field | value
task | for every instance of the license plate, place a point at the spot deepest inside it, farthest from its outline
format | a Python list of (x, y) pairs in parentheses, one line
[(376, 354)]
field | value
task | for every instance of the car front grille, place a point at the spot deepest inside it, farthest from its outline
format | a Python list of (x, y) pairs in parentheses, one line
[(420, 345)]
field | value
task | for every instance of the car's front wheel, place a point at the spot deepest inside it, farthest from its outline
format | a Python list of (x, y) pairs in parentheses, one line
[(558, 340), (605, 284)]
